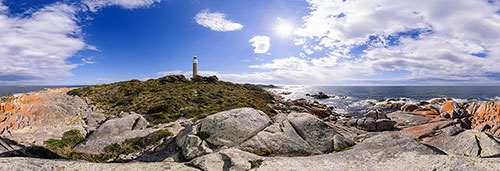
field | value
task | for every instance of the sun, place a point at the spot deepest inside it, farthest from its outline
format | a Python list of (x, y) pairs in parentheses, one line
[(284, 28)]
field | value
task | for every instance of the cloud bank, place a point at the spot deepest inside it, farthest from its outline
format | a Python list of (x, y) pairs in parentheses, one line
[(364, 41), (261, 44), (216, 21), (36, 47)]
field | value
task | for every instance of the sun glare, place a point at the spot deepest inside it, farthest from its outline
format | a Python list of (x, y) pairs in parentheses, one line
[(284, 28)]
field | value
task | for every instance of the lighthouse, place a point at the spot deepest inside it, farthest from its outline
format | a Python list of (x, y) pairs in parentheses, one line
[(195, 67)]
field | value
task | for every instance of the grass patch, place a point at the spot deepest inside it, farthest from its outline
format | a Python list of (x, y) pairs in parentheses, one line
[(344, 149), (168, 98), (262, 152), (203, 135), (255, 163), (63, 148)]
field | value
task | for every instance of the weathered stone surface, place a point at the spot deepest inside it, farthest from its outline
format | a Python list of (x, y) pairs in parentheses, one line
[(228, 159), (468, 143), (421, 131), (7, 145), (409, 119), (316, 132), (36, 117), (230, 128), (24, 163), (452, 109), (385, 124), (429, 111), (115, 129), (224, 129), (375, 114), (281, 138), (409, 107), (454, 130)]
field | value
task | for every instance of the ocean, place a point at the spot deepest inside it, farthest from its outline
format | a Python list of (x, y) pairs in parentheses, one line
[(15, 90), (357, 96)]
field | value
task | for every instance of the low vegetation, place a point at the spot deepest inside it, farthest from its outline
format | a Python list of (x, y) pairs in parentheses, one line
[(168, 98), (262, 152), (63, 148), (255, 163)]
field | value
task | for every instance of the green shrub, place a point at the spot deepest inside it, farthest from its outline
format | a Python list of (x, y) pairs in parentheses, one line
[(68, 140), (262, 152), (255, 163), (168, 98), (203, 135)]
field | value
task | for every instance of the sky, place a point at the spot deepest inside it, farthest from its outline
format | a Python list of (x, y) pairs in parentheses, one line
[(283, 42)]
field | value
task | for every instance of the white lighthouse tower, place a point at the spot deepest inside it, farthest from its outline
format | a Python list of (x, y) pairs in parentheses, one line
[(195, 67)]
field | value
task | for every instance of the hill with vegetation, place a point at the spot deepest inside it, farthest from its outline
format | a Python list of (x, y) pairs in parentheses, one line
[(169, 98)]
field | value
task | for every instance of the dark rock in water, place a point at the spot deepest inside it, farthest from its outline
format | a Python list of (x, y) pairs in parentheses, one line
[(468, 143), (423, 103), (320, 95)]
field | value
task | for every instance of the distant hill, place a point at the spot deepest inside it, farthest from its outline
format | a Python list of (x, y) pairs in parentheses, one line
[(169, 98)]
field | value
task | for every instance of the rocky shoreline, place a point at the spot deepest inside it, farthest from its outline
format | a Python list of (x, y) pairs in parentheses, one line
[(303, 135)]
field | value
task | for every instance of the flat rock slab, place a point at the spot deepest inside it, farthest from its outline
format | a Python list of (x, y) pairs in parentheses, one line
[(409, 119), (407, 161), (281, 138), (115, 129), (228, 159), (467, 143), (230, 128), (23, 163), (425, 130)]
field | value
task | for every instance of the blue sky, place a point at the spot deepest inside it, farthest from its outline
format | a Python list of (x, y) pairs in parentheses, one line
[(314, 42)]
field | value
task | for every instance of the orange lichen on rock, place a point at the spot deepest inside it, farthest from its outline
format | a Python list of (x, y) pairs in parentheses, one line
[(39, 108), (425, 130), (429, 110), (485, 116)]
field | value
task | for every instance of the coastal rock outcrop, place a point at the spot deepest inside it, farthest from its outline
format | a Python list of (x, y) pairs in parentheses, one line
[(36, 117), (452, 110), (374, 120), (467, 143), (228, 159), (115, 129), (223, 129), (320, 95), (295, 134), (322, 111), (485, 117)]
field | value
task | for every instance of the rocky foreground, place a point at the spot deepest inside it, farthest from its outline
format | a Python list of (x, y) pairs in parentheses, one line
[(303, 135)]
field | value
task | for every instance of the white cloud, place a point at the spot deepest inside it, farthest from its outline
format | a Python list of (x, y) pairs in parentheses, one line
[(261, 44), (216, 21), (89, 60), (37, 47), (433, 44), (94, 5)]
